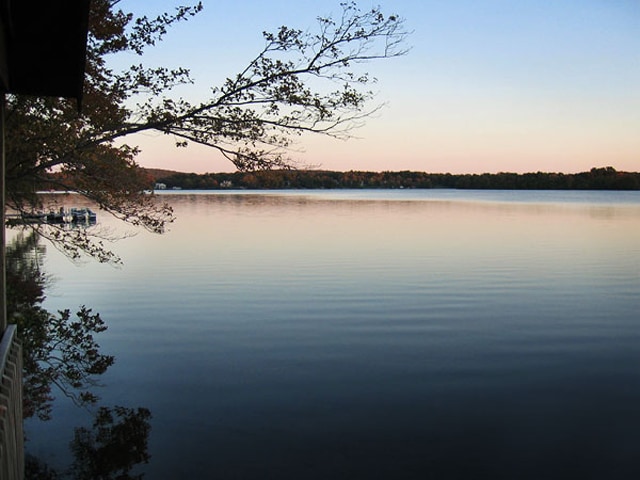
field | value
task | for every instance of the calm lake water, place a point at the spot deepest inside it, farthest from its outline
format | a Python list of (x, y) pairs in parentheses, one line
[(372, 334)]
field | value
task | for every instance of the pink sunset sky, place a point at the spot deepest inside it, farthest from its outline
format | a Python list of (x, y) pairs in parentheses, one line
[(488, 85)]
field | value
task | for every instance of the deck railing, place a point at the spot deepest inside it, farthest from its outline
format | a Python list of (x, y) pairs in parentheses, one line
[(11, 433)]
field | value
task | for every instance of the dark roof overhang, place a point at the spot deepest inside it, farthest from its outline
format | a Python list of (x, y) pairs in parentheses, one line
[(43, 47)]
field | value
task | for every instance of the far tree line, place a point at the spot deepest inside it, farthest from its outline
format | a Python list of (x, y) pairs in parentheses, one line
[(606, 178)]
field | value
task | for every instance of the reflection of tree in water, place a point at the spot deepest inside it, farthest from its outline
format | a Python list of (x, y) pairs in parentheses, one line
[(115, 444), (60, 351)]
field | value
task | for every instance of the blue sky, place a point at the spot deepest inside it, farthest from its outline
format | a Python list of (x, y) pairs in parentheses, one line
[(488, 86)]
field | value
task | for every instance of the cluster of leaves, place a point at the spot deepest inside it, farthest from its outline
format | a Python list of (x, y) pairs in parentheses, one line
[(300, 82), (58, 349)]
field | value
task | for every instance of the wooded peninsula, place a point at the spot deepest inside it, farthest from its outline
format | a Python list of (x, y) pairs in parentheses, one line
[(606, 178)]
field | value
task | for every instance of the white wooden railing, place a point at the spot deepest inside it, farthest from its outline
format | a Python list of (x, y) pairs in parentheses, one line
[(11, 433)]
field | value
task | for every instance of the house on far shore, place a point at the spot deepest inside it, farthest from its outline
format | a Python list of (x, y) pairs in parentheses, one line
[(160, 186)]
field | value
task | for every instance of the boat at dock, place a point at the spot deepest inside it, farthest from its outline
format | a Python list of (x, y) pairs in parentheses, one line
[(74, 215)]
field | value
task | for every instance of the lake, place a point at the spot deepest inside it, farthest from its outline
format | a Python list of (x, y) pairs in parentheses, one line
[(403, 334)]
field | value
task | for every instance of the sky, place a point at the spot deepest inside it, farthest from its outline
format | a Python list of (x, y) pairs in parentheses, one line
[(487, 86)]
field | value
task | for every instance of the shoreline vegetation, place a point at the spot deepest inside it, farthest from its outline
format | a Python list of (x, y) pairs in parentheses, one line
[(605, 178)]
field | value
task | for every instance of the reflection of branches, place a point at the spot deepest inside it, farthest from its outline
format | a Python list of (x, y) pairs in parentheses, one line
[(115, 444), (70, 359), (58, 350), (76, 241)]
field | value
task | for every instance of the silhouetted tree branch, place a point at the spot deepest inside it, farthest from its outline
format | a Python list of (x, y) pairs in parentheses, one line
[(300, 82)]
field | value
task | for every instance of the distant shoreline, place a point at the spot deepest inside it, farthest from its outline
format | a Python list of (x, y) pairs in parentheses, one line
[(605, 178)]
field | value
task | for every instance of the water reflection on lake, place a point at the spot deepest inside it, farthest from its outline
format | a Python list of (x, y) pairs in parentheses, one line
[(374, 334)]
